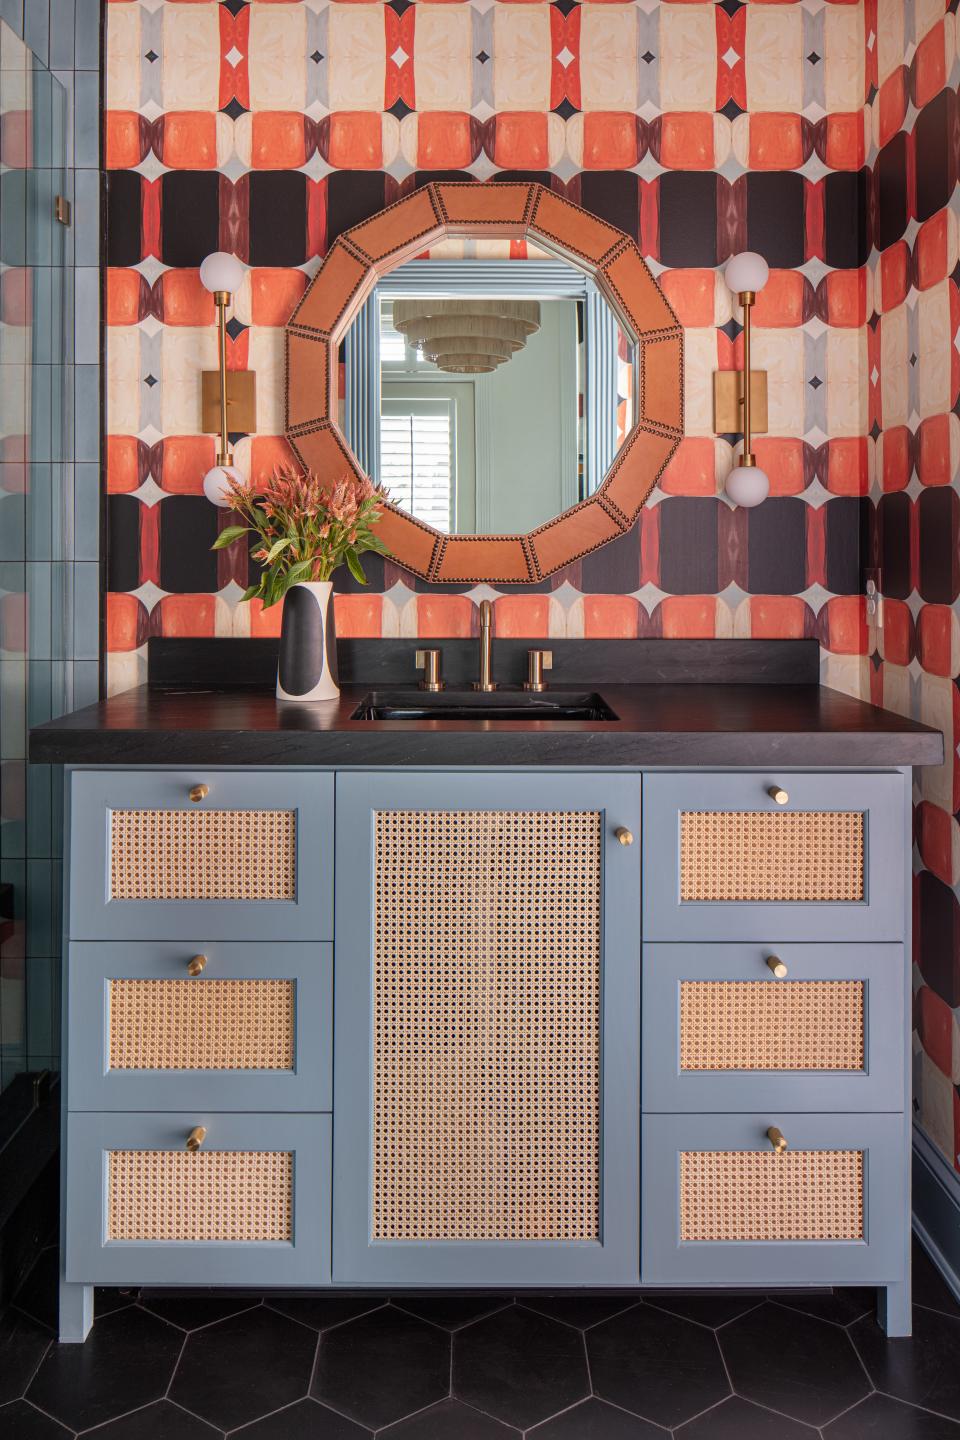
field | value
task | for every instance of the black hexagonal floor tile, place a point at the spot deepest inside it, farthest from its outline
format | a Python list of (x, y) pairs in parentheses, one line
[(127, 1361), (323, 1311), (304, 1420), (451, 1311), (159, 1421), (929, 1287), (792, 1363), (238, 1369), (449, 1421), (839, 1307), (656, 1365), (107, 1299), (191, 1312), (382, 1367), (519, 1366), (20, 1421), (739, 1419), (581, 1311), (710, 1310), (594, 1419), (23, 1344), (880, 1417), (924, 1370)]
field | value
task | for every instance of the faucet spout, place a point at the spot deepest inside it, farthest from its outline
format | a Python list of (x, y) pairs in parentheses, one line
[(486, 647)]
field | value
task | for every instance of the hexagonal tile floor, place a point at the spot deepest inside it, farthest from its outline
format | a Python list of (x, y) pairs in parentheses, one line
[(205, 1364)]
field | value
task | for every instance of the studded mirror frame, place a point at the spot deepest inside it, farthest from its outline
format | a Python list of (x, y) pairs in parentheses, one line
[(441, 210)]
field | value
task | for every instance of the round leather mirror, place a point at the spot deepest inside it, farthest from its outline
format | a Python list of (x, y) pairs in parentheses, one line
[(464, 321)]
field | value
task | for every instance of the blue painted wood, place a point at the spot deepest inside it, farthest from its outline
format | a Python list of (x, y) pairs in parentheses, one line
[(95, 1086), (93, 1259), (96, 793), (879, 796), (878, 1086), (358, 1259), (877, 1259)]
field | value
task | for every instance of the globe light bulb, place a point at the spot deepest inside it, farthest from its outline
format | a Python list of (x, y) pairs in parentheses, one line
[(746, 271), (221, 271), (216, 484), (747, 485)]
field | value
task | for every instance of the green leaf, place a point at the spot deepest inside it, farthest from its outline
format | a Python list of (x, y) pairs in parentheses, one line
[(300, 571), (251, 592), (277, 548), (227, 537), (354, 566)]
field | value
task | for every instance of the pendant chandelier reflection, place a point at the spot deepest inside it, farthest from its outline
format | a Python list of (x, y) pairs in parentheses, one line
[(466, 337)]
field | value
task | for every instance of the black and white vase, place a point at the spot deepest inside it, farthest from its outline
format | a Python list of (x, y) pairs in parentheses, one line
[(308, 644)]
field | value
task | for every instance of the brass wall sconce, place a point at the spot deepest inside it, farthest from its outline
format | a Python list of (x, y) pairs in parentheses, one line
[(740, 397), (228, 397)]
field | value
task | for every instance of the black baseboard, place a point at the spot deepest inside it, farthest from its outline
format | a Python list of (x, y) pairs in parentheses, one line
[(29, 1175), (936, 1209)]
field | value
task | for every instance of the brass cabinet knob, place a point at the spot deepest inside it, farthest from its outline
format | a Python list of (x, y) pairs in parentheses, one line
[(775, 964), (777, 794), (199, 792), (624, 835), (777, 1139), (197, 965), (196, 1138)]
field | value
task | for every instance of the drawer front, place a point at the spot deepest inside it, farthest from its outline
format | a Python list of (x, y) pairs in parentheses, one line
[(721, 1204), (722, 1031), (249, 857), (251, 1206), (723, 860), (252, 1030)]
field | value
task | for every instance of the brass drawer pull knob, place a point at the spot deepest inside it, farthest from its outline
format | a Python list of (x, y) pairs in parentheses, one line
[(196, 1138), (775, 964), (777, 794), (199, 792), (624, 835), (777, 1139), (197, 965)]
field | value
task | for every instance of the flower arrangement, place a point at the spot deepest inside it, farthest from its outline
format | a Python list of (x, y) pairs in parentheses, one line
[(306, 528)]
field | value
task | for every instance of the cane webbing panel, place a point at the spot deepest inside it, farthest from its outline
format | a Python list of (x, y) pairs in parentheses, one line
[(209, 1195), (203, 855), (201, 1024), (760, 1195), (760, 855), (771, 1025), (486, 1025)]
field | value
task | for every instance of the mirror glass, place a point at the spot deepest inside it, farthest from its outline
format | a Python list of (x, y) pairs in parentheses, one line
[(487, 394)]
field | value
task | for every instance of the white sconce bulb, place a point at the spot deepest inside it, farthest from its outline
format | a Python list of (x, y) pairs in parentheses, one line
[(221, 271), (216, 484), (746, 271), (747, 485)]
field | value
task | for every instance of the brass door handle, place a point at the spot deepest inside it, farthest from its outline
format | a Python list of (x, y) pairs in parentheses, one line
[(780, 796), (777, 1139), (197, 965), (775, 964), (198, 793), (624, 835), (196, 1138)]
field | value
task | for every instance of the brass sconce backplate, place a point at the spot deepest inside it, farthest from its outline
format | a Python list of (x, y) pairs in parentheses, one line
[(728, 402), (241, 402)]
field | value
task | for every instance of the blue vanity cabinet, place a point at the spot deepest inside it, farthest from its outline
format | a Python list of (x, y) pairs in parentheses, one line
[(486, 1124)]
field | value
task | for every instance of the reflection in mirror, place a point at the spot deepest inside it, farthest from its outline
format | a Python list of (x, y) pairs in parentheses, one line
[(488, 396)]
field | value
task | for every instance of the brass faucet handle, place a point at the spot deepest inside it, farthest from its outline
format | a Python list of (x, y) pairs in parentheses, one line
[(537, 662), (196, 1138), (429, 662), (777, 1139)]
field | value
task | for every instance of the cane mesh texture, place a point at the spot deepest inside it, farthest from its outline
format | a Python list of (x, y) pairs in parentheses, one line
[(203, 855), (208, 1195), (771, 856), (771, 1025), (201, 1024), (762, 1195)]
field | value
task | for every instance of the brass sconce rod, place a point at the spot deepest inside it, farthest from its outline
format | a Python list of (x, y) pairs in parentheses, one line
[(221, 298), (747, 297)]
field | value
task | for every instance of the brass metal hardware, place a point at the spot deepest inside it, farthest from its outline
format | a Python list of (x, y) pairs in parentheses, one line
[(728, 404), (777, 1139), (62, 210), (485, 682), (777, 794), (197, 965), (196, 1138), (537, 662), (624, 835), (241, 402), (775, 964), (429, 662), (198, 793)]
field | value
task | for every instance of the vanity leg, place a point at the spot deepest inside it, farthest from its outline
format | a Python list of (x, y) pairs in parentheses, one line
[(76, 1312), (894, 1311)]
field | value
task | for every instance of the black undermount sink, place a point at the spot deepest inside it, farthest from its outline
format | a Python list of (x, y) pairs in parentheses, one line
[(474, 705)]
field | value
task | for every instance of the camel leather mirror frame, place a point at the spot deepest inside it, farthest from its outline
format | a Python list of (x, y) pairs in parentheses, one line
[(448, 209)]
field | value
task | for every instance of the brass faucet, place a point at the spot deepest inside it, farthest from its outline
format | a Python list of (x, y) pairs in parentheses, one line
[(486, 617)]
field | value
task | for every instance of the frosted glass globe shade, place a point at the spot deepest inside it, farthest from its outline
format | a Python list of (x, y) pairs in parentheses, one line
[(746, 271), (221, 271), (747, 485), (216, 484)]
